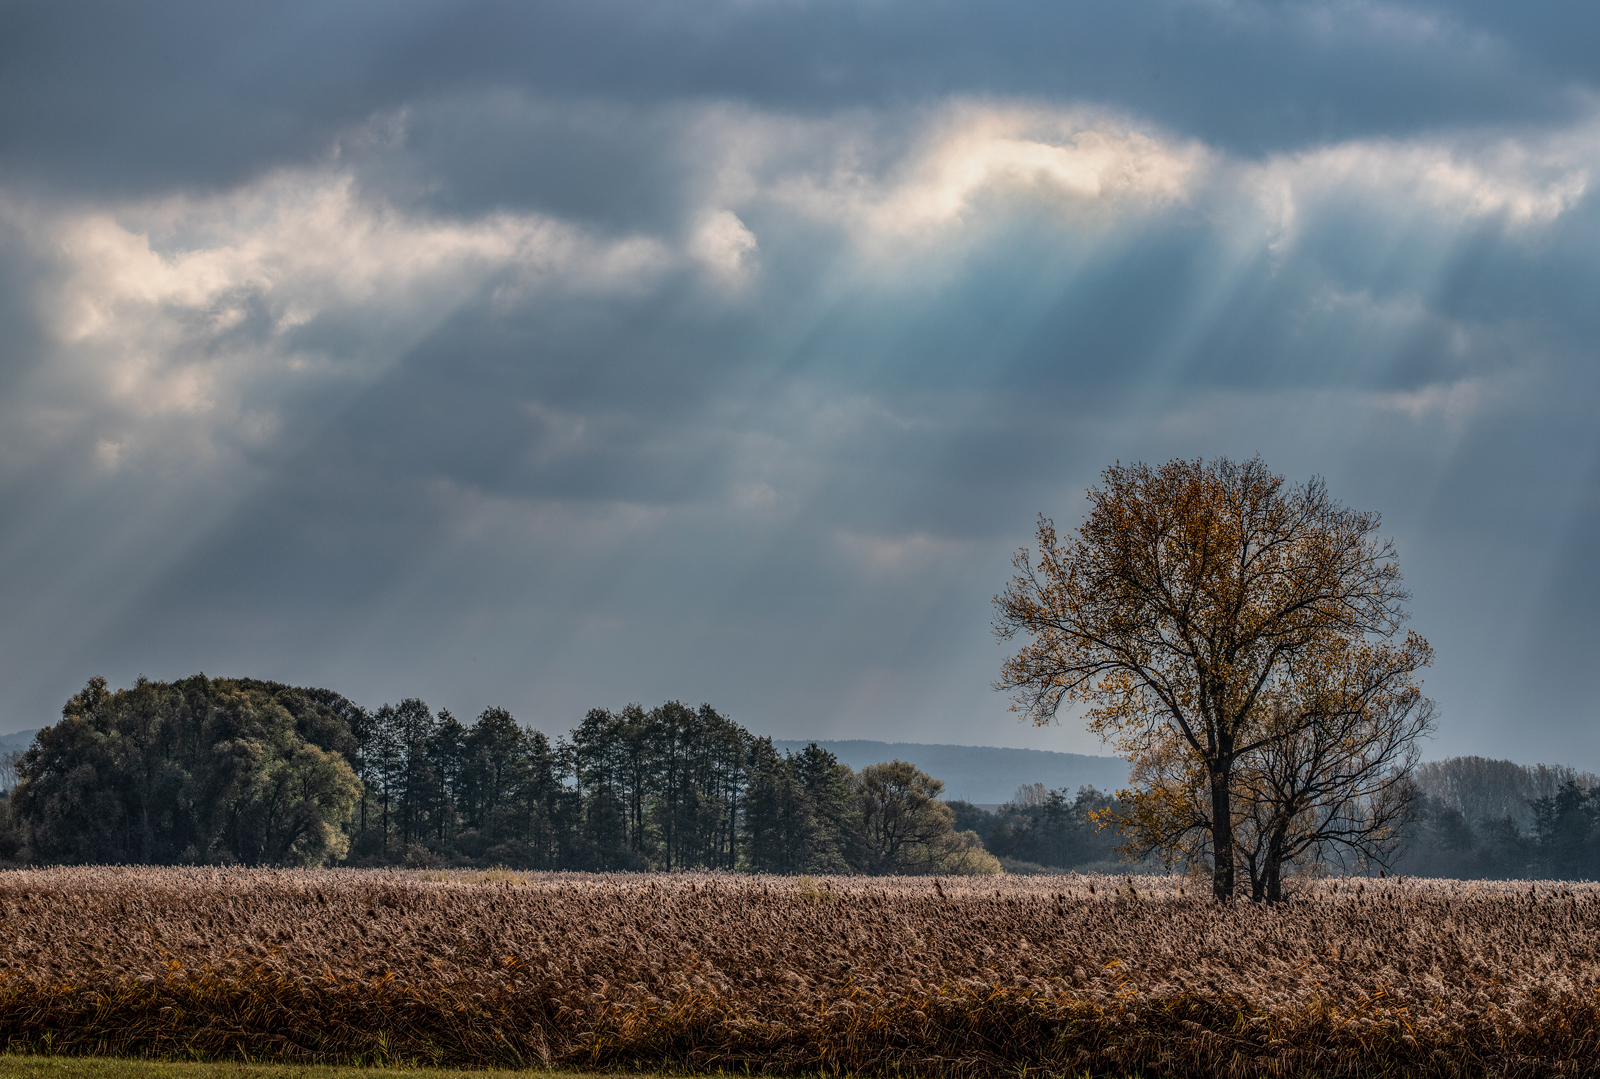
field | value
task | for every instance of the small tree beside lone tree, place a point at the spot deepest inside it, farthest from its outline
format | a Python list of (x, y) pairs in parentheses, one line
[(1233, 638)]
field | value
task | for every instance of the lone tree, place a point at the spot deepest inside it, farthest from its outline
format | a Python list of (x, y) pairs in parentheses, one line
[(1183, 613)]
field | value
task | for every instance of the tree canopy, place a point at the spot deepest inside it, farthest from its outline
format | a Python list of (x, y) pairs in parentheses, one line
[(199, 770)]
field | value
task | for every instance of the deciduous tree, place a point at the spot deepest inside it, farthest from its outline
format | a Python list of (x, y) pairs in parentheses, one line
[(197, 770), (906, 829), (1177, 614)]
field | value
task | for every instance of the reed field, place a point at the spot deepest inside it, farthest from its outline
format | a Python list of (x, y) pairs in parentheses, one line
[(862, 976)]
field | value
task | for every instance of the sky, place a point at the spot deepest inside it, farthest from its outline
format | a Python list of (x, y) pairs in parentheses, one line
[(562, 355)]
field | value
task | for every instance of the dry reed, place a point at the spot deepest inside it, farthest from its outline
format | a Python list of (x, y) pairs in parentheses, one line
[(848, 975)]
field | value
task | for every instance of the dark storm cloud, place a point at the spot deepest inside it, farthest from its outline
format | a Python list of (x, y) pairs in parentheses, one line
[(108, 97), (560, 355), (24, 343), (609, 164)]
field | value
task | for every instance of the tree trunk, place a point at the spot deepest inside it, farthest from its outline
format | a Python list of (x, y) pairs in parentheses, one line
[(1258, 877), (1274, 866), (1274, 881), (1221, 835)]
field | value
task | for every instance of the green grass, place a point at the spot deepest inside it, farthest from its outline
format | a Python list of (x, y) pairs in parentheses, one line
[(51, 1067)]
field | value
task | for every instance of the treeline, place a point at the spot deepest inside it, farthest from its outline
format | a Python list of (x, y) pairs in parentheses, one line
[(245, 771), (670, 788), (1474, 818), (1468, 818), (252, 772), (1042, 830)]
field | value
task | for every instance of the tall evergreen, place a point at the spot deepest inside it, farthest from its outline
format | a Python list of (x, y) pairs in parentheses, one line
[(833, 841), (446, 756), (777, 818), (605, 760), (415, 727), (800, 811)]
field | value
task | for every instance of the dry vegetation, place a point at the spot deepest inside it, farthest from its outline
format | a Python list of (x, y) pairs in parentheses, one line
[(869, 976)]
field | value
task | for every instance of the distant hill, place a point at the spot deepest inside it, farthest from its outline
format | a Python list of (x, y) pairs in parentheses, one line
[(984, 775), (20, 740)]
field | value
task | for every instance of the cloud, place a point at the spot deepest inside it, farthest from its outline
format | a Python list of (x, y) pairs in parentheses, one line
[(1073, 164), (196, 317), (1524, 182), (1454, 403), (724, 243), (192, 325), (104, 100), (917, 553)]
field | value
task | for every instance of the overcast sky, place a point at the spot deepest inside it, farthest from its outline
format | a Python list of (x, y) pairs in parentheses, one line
[(565, 355)]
